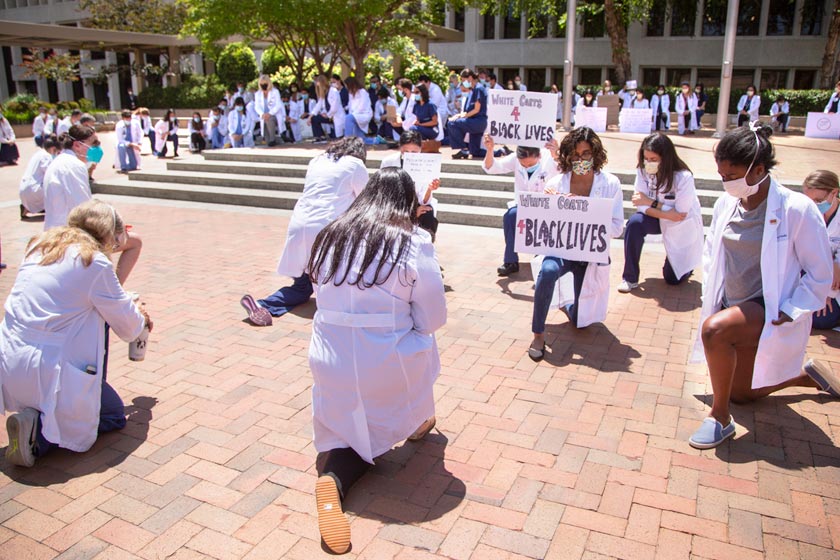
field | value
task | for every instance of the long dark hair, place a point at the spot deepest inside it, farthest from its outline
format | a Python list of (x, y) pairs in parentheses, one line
[(671, 163), (347, 146), (570, 142), (380, 222)]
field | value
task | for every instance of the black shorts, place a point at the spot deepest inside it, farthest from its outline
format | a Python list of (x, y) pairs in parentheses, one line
[(759, 300)]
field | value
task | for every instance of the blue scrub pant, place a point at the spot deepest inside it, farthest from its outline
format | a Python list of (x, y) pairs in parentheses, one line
[(509, 222), (638, 226), (474, 126), (831, 318), (285, 299), (128, 158)]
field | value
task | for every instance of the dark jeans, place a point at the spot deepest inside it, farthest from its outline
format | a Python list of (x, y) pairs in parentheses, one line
[(197, 142), (171, 138), (782, 119), (661, 121), (318, 123), (9, 153), (39, 141), (638, 227), (111, 411), (550, 272), (285, 299), (743, 119), (386, 131), (509, 223), (831, 318), (474, 126), (344, 465)]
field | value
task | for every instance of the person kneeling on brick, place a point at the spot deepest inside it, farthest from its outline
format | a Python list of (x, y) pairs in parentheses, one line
[(373, 354), (767, 268), (54, 337)]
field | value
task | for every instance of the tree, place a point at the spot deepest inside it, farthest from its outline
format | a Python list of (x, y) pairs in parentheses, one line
[(828, 74), (150, 16), (47, 64), (271, 61), (236, 63)]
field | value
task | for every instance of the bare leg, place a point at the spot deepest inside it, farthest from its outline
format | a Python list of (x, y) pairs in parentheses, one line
[(130, 253)]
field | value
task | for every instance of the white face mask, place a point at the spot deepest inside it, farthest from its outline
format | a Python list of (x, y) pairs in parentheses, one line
[(739, 188), (651, 167)]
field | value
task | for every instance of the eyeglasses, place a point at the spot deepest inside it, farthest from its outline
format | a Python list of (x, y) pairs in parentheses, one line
[(587, 155)]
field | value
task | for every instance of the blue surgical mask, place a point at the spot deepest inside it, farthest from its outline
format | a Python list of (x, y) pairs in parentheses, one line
[(824, 206), (95, 154), (240, 108), (305, 96), (417, 97), (533, 168), (197, 119), (466, 84)]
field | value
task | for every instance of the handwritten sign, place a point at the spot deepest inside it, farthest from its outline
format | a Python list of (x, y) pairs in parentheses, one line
[(635, 120), (571, 227), (423, 168), (522, 118), (593, 117), (823, 125)]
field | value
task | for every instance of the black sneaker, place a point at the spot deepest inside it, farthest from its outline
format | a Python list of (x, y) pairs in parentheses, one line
[(507, 269), (463, 154)]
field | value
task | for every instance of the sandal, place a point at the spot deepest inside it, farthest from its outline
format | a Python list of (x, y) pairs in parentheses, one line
[(332, 523), (256, 314), (423, 430), (537, 354)]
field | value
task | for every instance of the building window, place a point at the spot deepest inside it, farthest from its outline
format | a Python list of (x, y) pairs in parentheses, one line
[(512, 26), (714, 18), (683, 14), (773, 79), (488, 26), (535, 79), (812, 17), (749, 13), (780, 17), (676, 76), (593, 19), (97, 55), (459, 19), (656, 19), (743, 78), (709, 77), (538, 28), (508, 74), (590, 77), (804, 79), (650, 77)]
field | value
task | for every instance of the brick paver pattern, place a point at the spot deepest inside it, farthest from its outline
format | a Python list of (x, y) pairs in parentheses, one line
[(581, 456)]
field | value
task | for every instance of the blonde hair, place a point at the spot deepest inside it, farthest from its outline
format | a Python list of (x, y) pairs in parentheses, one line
[(321, 86), (93, 226), (822, 179), (264, 79)]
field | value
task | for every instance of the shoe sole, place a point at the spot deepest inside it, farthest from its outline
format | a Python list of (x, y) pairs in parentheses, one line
[(811, 369), (332, 523), (256, 314), (14, 453), (418, 435), (697, 445)]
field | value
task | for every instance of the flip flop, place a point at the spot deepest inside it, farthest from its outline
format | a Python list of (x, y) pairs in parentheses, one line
[(256, 314), (423, 430), (332, 523)]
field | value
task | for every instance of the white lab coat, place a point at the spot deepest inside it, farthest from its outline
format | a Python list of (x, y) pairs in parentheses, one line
[(329, 189), (336, 112), (395, 160), (295, 112), (521, 182), (595, 293), (232, 121), (832, 99), (833, 229), (136, 137), (145, 123), (7, 133), (795, 240), (50, 127), (776, 110), (54, 328), (437, 99), (683, 240), (636, 104), (66, 185), (380, 112), (38, 125), (755, 105), (270, 103), (31, 188), (359, 107), (63, 126), (162, 133), (681, 105), (582, 102), (666, 109), (405, 111), (373, 354)]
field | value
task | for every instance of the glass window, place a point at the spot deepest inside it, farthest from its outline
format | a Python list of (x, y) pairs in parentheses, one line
[(612, 76), (97, 55), (743, 78), (676, 76), (538, 29), (812, 17), (709, 77), (650, 77), (593, 19), (780, 17), (773, 79), (590, 77), (683, 14), (804, 79), (714, 18), (512, 26), (559, 30), (535, 79), (459, 19), (656, 19), (749, 12), (508, 74), (488, 26)]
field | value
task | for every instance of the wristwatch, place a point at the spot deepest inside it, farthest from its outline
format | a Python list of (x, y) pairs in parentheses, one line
[(654, 204)]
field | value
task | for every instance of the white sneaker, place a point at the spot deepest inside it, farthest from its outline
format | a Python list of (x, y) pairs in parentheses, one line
[(21, 427), (626, 286)]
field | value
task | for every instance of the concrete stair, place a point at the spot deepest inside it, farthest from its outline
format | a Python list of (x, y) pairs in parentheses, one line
[(275, 178)]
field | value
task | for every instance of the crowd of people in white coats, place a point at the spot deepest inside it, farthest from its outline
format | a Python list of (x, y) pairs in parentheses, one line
[(364, 246)]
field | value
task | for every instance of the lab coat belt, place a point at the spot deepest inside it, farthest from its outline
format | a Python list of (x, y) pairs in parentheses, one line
[(34, 336), (356, 320)]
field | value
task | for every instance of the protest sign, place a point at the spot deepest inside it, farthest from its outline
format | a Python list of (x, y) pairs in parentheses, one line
[(522, 118), (635, 120), (593, 117), (823, 125), (423, 168), (571, 227)]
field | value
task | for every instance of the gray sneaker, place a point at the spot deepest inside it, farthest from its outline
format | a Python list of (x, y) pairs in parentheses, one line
[(21, 427)]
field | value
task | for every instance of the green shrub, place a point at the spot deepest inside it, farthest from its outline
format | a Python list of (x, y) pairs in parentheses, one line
[(194, 92), (236, 63), (272, 60)]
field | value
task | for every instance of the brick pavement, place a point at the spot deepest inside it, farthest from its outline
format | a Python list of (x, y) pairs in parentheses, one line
[(581, 456)]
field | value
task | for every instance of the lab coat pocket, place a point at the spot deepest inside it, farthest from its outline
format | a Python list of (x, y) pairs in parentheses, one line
[(79, 391)]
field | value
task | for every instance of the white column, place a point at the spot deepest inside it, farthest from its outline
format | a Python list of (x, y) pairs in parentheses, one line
[(198, 64), (135, 58), (698, 19), (726, 69), (523, 28), (569, 64), (497, 21), (797, 27), (547, 76), (17, 59), (762, 20), (114, 98), (87, 87), (65, 89)]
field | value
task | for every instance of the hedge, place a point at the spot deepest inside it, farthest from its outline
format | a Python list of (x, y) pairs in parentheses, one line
[(23, 107), (194, 91)]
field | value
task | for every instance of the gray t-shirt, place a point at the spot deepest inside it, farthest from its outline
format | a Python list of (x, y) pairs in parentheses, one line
[(742, 238)]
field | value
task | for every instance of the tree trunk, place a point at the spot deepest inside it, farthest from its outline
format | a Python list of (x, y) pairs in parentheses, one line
[(618, 40), (827, 74), (359, 63)]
